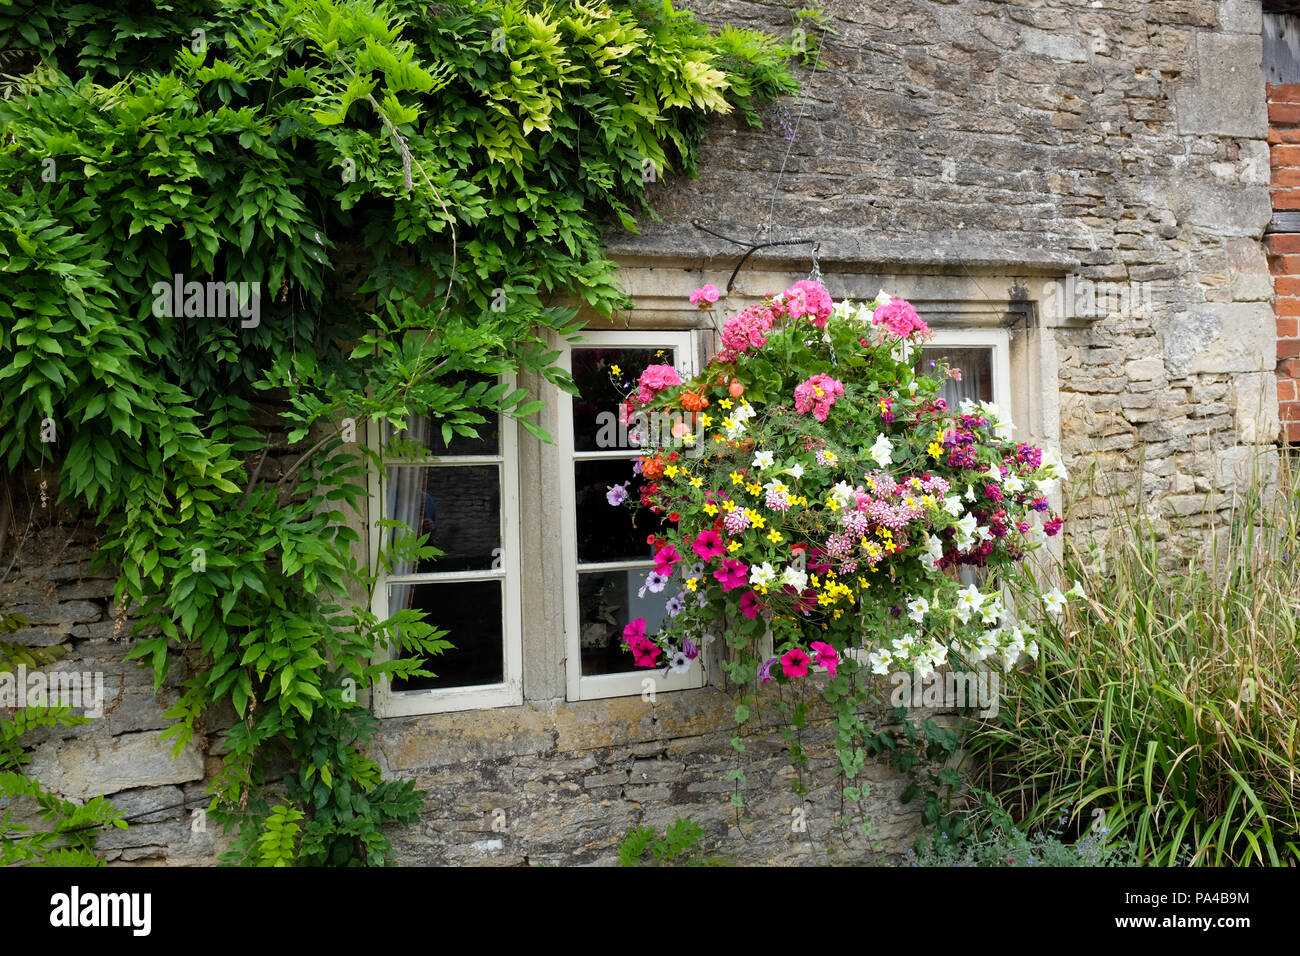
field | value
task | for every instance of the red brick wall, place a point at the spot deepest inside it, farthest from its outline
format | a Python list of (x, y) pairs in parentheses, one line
[(1284, 250)]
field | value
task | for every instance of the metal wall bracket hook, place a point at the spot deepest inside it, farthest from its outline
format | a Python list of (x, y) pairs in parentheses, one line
[(815, 273)]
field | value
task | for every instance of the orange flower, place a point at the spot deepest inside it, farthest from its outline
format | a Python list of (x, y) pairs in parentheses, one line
[(693, 402), (652, 468)]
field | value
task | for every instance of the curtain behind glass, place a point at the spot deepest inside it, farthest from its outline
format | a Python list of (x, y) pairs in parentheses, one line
[(405, 502)]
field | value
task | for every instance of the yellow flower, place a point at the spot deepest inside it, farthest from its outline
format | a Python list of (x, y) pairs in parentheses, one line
[(814, 580), (726, 403), (837, 613), (710, 510), (728, 422), (688, 439), (698, 482), (829, 457), (863, 582), (691, 583), (754, 488), (671, 471), (733, 546), (737, 478), (935, 449), (938, 434), (616, 370), (774, 536), (705, 419), (728, 506), (756, 520)]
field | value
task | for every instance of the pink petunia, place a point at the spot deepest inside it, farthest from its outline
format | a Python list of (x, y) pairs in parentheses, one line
[(635, 631), (644, 653), (749, 605), (827, 656), (708, 545), (666, 559), (794, 663), (732, 574)]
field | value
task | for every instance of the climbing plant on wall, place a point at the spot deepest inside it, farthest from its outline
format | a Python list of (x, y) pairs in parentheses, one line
[(347, 208)]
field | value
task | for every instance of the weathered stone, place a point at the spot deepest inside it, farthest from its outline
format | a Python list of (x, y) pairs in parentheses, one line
[(1224, 99), (68, 612), (92, 767), (1233, 337)]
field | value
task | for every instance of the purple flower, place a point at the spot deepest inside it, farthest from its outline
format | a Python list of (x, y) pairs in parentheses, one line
[(689, 648), (765, 672), (655, 581), (676, 604), (618, 494)]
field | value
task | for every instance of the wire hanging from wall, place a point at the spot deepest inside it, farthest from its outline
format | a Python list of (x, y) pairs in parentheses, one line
[(752, 247)]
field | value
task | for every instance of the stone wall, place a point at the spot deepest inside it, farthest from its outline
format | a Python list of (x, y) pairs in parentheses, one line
[(1130, 136)]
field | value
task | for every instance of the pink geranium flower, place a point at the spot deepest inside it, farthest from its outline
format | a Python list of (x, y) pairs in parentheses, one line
[(900, 319), (732, 574), (708, 545), (808, 298), (794, 663), (704, 296), (817, 395), (827, 656), (666, 559), (654, 380)]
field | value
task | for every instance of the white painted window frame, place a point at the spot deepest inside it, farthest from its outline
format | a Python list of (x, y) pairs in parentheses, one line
[(595, 687), (393, 703), (996, 339)]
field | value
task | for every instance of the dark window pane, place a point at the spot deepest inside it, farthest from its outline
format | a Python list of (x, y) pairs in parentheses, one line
[(607, 603), (607, 532), (458, 507), (426, 433), (976, 366), (471, 612), (601, 390)]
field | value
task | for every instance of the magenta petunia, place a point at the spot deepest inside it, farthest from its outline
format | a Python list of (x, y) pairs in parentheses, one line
[(749, 605), (635, 631), (666, 559), (708, 545), (794, 663), (732, 574), (827, 656)]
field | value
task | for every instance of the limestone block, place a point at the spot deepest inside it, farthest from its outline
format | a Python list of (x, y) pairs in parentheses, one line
[(1257, 412), (95, 766), (1248, 275), (1220, 337), (1227, 96)]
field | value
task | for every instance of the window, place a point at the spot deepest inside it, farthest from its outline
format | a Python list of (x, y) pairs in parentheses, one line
[(983, 355), (465, 496), (606, 554)]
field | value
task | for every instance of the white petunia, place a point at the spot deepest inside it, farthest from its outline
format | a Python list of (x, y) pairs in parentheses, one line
[(924, 667), (795, 472), (1054, 600), (903, 646), (917, 609), (952, 505), (761, 575), (763, 460), (990, 613), (842, 494), (969, 600), (937, 651), (882, 451), (994, 474), (967, 407), (970, 493), (1076, 591), (882, 299), (795, 578), (1013, 484), (880, 661)]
